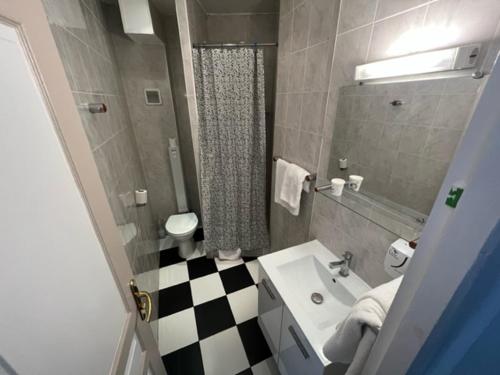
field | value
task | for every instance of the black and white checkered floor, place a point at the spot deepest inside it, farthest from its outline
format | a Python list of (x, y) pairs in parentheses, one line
[(208, 317)]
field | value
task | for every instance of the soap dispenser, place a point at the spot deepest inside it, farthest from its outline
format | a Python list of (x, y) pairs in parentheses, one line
[(398, 257)]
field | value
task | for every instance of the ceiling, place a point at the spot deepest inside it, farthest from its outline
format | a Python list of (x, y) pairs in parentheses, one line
[(240, 6), (167, 7)]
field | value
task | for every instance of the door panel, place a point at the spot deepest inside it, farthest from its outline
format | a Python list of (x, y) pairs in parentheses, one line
[(270, 313), (67, 312), (134, 363)]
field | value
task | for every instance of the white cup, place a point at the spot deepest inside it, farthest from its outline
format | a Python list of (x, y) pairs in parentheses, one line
[(337, 186), (355, 181)]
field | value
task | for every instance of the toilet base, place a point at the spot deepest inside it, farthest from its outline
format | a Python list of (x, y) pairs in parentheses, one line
[(186, 248)]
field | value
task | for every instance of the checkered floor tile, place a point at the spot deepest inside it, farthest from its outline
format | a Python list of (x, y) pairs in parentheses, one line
[(208, 317)]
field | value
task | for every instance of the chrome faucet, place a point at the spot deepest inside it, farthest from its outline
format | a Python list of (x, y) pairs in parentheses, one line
[(344, 264)]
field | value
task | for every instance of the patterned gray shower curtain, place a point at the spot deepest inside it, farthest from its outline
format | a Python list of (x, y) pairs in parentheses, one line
[(232, 136)]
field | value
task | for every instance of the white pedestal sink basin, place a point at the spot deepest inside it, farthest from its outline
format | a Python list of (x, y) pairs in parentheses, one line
[(300, 327)]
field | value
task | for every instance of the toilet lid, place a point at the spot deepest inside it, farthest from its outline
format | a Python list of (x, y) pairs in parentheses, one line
[(182, 223)]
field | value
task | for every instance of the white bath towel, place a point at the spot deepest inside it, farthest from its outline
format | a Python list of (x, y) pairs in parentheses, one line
[(291, 188), (355, 335)]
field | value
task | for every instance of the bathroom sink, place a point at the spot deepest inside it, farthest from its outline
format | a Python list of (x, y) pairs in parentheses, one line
[(298, 272), (308, 275)]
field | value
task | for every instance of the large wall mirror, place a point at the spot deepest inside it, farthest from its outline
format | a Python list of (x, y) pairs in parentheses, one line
[(401, 138)]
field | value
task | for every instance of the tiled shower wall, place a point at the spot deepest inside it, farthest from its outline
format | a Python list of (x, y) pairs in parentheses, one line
[(368, 30), (88, 57)]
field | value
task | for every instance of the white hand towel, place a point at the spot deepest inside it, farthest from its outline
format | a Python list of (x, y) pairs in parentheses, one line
[(355, 335), (281, 167), (291, 188)]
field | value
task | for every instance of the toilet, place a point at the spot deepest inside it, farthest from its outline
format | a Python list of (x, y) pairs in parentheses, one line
[(183, 225)]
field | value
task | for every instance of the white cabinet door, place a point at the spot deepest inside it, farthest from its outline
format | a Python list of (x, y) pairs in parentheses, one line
[(270, 313), (296, 356)]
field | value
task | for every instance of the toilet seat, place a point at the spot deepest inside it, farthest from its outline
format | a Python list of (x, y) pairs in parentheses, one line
[(181, 224)]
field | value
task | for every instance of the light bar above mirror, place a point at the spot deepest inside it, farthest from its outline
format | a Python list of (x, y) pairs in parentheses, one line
[(451, 59)]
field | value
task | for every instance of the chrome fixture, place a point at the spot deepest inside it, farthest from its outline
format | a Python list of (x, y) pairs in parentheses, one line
[(322, 187), (348, 184), (310, 177), (317, 298), (478, 74), (233, 45), (94, 107), (344, 264)]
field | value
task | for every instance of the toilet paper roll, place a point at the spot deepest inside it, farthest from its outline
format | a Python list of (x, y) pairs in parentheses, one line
[(141, 197)]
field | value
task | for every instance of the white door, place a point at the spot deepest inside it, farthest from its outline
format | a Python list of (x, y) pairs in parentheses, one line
[(65, 308)]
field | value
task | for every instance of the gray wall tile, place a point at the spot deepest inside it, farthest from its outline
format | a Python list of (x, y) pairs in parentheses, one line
[(296, 72), (293, 110), (350, 50), (313, 108), (323, 17), (355, 13), (300, 26), (384, 44), (390, 7), (317, 70)]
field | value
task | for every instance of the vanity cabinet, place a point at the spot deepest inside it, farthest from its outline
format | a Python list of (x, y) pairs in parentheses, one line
[(270, 313), (296, 356), (289, 346)]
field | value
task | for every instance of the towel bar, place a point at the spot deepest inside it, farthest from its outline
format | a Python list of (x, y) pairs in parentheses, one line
[(310, 177)]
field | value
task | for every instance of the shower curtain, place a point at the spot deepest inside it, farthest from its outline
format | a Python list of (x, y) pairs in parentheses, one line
[(232, 136)]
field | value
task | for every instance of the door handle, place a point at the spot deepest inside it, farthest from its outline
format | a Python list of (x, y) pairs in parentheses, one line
[(143, 301), (268, 289), (296, 338)]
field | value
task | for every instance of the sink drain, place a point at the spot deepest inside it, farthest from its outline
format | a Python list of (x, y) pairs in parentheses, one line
[(317, 298)]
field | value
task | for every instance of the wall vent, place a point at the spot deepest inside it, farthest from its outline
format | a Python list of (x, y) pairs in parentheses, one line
[(152, 96)]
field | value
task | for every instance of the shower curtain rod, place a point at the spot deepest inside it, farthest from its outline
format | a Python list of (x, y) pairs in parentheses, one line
[(233, 45)]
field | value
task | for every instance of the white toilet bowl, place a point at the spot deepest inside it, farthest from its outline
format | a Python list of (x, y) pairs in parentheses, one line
[(182, 227)]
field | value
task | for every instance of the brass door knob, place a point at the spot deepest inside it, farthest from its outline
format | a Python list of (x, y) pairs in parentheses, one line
[(143, 301)]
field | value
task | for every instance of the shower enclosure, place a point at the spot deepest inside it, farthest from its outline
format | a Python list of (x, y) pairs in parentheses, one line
[(232, 135)]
